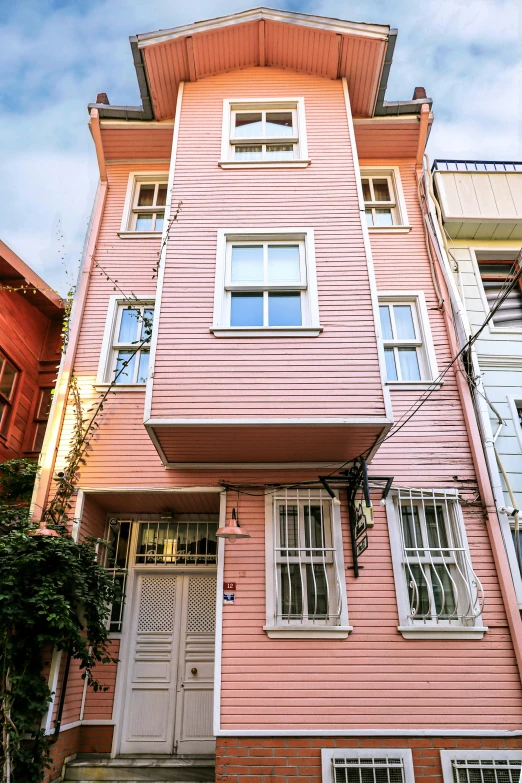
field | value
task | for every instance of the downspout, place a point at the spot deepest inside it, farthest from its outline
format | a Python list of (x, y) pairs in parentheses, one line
[(51, 443), (495, 536)]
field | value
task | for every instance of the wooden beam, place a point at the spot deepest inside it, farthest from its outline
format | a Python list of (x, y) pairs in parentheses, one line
[(261, 29), (191, 60), (423, 133), (98, 145)]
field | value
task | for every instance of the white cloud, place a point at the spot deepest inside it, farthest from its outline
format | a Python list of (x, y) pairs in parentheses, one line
[(56, 55)]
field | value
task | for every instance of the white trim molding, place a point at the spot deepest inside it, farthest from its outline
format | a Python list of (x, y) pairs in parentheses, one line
[(310, 325), (330, 755), (216, 722)]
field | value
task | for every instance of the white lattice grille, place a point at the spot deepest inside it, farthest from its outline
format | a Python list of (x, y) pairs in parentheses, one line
[(157, 602), (368, 770), (486, 770), (201, 610)]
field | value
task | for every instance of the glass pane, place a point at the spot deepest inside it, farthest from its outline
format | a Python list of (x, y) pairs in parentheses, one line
[(248, 125), (39, 435), (144, 223), (129, 326), (161, 198), (291, 591), (446, 605), (316, 592), (247, 264), (391, 370), (383, 217), (283, 263), (404, 322), (279, 152), (279, 123), (143, 369), (381, 190), (284, 309), (386, 326), (146, 323), (314, 527), (246, 309), (46, 397), (288, 529), (369, 217), (146, 195), (411, 527), (7, 380), (435, 526), (367, 196), (409, 362), (125, 362), (158, 226), (417, 590), (249, 153)]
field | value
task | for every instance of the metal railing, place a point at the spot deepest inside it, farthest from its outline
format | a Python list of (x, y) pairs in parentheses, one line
[(502, 166), (442, 585), (307, 575)]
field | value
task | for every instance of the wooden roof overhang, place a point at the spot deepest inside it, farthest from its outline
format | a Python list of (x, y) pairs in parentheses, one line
[(16, 274)]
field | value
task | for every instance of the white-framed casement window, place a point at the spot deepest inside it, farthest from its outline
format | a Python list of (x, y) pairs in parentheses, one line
[(269, 133), (369, 765), (125, 353), (408, 348), (145, 203), (306, 590), (266, 283), (481, 766), (384, 203), (438, 592)]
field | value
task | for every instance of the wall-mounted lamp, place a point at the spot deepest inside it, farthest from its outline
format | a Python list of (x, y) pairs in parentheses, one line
[(232, 531)]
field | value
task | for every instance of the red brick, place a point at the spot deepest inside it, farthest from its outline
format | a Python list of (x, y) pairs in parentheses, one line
[(227, 743), (514, 742), (469, 743), (261, 752), (347, 742), (250, 742), (445, 742), (371, 743), (275, 743), (237, 770), (394, 742), (299, 743), (323, 743), (420, 742), (250, 779), (285, 771), (233, 752)]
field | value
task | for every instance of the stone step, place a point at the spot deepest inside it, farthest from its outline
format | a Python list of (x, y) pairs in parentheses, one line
[(136, 770)]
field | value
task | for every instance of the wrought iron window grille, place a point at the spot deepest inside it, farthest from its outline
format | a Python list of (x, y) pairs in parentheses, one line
[(486, 770), (368, 770)]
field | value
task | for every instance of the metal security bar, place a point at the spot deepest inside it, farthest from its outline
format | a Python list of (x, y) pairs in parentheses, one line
[(177, 542), (307, 577), (486, 770), (442, 585), (116, 561), (368, 770), (477, 165)]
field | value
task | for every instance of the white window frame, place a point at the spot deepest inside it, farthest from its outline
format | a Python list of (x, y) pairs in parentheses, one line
[(310, 326), (424, 342), (130, 210), (500, 253), (108, 350), (305, 630), (448, 756), (229, 141), (329, 754), (429, 629), (398, 203)]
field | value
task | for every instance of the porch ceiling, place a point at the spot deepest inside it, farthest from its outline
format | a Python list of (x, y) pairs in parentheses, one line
[(156, 501)]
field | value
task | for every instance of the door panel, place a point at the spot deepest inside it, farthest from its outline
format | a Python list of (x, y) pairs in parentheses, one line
[(194, 731), (148, 724)]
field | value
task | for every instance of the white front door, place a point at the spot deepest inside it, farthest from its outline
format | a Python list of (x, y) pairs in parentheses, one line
[(168, 703)]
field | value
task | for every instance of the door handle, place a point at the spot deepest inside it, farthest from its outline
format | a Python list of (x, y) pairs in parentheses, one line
[(194, 671)]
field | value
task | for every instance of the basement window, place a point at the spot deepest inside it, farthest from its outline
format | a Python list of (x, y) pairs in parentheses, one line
[(372, 765), (481, 766)]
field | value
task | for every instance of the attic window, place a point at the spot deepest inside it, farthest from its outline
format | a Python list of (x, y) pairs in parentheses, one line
[(264, 134)]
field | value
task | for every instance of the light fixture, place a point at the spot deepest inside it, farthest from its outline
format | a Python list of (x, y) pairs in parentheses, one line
[(232, 531)]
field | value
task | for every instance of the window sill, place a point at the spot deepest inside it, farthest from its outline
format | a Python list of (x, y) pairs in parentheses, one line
[(307, 631), (442, 632), (414, 385), (262, 331), (264, 164), (389, 229), (139, 234), (121, 386)]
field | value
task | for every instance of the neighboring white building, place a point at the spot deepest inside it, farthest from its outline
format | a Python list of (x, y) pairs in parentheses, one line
[(481, 211)]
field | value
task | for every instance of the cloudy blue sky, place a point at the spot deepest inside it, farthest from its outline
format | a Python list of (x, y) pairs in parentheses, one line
[(56, 55)]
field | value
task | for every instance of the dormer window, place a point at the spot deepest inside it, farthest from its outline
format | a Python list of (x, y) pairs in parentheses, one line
[(270, 133)]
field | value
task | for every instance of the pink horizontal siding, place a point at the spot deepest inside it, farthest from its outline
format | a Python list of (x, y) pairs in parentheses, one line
[(335, 374)]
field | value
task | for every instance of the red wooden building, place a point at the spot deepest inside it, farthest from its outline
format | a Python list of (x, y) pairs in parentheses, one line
[(31, 317)]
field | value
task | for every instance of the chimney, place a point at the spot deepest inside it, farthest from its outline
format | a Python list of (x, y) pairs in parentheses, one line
[(418, 93), (102, 98)]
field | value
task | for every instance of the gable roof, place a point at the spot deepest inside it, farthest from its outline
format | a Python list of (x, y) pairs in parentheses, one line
[(327, 47), (15, 272)]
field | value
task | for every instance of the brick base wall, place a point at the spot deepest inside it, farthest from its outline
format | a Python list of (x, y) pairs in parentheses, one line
[(95, 739), (66, 745), (283, 759)]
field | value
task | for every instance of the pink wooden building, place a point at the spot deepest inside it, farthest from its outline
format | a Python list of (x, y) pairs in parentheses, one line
[(299, 316)]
